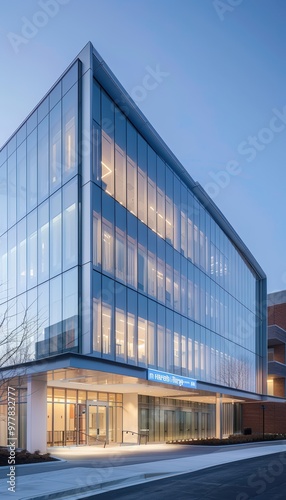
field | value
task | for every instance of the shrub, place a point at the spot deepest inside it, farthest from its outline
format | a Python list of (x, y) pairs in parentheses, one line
[(232, 439)]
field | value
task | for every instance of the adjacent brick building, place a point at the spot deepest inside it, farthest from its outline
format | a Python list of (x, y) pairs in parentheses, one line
[(274, 412)]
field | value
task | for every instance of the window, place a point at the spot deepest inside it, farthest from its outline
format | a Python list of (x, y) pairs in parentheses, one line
[(107, 162), (43, 242), (169, 206), (55, 147), (70, 309), (152, 263), (55, 234), (161, 341), (12, 190), (131, 250), (43, 159), (96, 244), (161, 277), (70, 132), (107, 234), (32, 170), (96, 312), (142, 258), (3, 198), (70, 225), (169, 276), (55, 328), (120, 323), (142, 179), (120, 243), (32, 249), (152, 206), (131, 169), (184, 220), (142, 331), (152, 321), (21, 256), (132, 325), (21, 181), (161, 174), (120, 157), (107, 316), (177, 214)]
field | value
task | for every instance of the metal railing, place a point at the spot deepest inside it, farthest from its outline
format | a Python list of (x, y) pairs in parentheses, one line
[(66, 438), (95, 438), (139, 435)]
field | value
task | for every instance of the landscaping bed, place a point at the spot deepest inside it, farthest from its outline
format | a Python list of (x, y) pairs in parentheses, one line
[(234, 439), (23, 457)]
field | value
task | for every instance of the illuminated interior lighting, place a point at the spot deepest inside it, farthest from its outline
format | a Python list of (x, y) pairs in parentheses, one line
[(109, 171)]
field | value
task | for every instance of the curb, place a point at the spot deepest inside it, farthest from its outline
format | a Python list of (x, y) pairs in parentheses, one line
[(101, 486)]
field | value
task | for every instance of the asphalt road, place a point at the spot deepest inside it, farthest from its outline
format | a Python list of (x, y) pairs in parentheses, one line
[(263, 478), (121, 456), (116, 457)]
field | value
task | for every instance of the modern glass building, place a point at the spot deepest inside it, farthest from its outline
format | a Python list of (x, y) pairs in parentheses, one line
[(130, 303)]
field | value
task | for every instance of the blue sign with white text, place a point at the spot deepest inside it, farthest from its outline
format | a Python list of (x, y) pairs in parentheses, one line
[(171, 379)]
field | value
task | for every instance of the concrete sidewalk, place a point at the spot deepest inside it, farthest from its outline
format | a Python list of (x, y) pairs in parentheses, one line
[(78, 482)]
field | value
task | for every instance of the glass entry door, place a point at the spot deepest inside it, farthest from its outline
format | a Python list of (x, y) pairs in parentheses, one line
[(97, 422)]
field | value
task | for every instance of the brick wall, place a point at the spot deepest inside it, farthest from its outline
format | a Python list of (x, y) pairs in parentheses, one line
[(279, 387), (274, 414), (279, 353), (277, 315)]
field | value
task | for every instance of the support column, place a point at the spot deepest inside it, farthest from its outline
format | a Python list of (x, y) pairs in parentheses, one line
[(218, 417), (130, 418), (37, 413)]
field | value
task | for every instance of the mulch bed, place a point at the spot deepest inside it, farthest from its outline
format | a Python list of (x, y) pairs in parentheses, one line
[(235, 439), (23, 457)]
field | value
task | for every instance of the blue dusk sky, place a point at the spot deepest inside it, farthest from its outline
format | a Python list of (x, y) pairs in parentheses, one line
[(219, 98)]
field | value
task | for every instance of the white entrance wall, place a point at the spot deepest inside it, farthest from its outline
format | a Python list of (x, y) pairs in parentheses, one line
[(37, 413), (130, 418)]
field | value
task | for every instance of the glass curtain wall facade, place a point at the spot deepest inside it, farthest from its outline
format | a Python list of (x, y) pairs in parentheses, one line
[(170, 290), (108, 251), (39, 226)]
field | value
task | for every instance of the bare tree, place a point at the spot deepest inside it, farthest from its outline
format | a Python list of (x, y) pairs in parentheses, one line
[(17, 338), (234, 372)]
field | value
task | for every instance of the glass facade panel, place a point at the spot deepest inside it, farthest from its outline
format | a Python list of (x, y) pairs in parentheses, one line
[(55, 147), (161, 196), (120, 323), (12, 190), (70, 309), (107, 317), (107, 234), (43, 159), (70, 106), (131, 169), (3, 198), (142, 179), (32, 267), (120, 243), (107, 144), (120, 157), (55, 328), (43, 242), (70, 224), (131, 326), (152, 206), (32, 170), (55, 234), (142, 331), (21, 181)]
